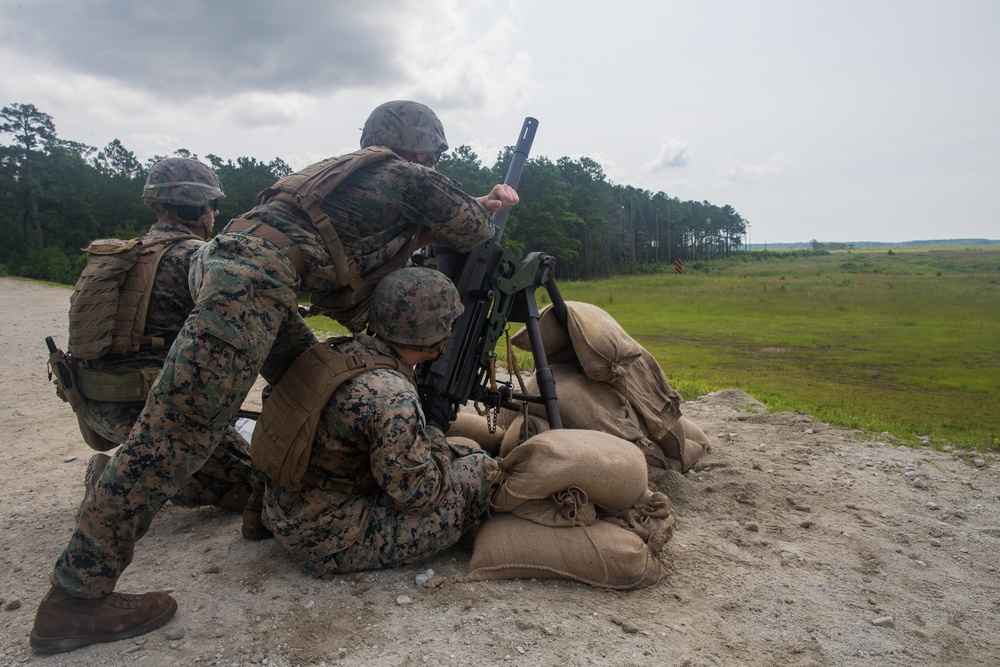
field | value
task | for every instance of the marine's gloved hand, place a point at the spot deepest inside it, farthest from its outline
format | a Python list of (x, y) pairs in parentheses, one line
[(438, 410)]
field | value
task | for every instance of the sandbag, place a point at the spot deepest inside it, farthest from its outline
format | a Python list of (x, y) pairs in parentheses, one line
[(473, 427), (600, 344), (647, 390), (565, 508), (599, 406), (680, 448), (611, 471), (651, 518), (601, 554), (640, 407), (587, 404), (515, 433)]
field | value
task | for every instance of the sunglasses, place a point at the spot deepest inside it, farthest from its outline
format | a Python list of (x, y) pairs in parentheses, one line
[(214, 205)]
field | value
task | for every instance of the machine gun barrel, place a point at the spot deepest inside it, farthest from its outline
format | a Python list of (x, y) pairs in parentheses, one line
[(474, 274), (514, 171)]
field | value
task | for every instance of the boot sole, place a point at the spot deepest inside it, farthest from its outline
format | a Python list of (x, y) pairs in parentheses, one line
[(63, 644)]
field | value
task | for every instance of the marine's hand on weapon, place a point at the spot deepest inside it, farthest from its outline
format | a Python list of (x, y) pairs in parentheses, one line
[(500, 197), (438, 409)]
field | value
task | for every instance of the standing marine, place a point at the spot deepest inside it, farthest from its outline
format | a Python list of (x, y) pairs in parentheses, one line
[(332, 230)]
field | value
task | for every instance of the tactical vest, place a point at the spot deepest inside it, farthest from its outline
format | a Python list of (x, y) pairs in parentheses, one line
[(283, 437), (306, 189), (107, 314)]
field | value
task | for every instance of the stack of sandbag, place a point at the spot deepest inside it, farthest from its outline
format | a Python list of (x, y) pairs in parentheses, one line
[(606, 381), (573, 504), (472, 429)]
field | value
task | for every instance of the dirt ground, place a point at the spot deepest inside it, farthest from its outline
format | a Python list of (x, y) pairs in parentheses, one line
[(796, 544)]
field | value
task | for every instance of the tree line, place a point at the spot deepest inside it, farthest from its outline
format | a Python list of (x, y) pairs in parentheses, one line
[(57, 195)]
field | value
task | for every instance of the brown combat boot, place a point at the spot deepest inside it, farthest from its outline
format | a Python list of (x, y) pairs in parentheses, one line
[(235, 499), (65, 622), (253, 526)]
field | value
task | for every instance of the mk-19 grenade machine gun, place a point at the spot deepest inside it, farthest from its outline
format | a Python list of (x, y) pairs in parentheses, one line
[(497, 287)]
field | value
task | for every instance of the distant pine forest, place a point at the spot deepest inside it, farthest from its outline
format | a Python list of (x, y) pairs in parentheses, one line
[(56, 195)]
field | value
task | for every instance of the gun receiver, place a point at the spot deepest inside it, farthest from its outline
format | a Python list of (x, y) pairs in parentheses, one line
[(497, 287)]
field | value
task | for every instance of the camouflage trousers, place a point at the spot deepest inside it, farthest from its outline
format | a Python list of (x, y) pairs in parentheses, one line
[(390, 536), (227, 474), (244, 323)]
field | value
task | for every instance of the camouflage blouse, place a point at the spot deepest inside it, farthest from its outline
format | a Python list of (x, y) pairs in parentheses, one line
[(372, 434), (376, 212)]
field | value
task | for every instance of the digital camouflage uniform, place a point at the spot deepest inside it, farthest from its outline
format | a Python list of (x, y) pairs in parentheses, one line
[(245, 322), (170, 303), (425, 493)]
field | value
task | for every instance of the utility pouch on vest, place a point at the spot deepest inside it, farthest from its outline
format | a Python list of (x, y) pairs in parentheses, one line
[(283, 437), (117, 385), (63, 372)]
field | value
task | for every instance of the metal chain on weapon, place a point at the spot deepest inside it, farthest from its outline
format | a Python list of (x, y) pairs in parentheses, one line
[(492, 416), (491, 412)]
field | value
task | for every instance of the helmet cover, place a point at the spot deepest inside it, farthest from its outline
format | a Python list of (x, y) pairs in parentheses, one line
[(405, 125), (181, 181), (415, 306)]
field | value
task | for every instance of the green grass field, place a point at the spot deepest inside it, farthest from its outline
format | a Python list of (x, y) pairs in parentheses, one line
[(907, 342)]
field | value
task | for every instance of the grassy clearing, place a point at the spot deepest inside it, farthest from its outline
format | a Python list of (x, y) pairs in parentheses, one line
[(907, 343)]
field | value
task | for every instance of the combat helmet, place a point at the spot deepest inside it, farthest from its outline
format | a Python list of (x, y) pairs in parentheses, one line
[(415, 308), (181, 181), (405, 125)]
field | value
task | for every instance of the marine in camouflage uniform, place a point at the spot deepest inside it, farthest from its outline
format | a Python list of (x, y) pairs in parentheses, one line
[(413, 494), (246, 322), (228, 476)]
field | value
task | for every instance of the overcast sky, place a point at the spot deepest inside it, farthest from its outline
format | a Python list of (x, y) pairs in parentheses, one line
[(846, 120)]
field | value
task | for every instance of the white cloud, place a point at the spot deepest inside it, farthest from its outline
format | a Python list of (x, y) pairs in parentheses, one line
[(612, 170), (471, 63), (673, 153), (739, 170), (252, 110)]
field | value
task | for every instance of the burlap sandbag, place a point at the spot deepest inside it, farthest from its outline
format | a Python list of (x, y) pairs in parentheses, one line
[(651, 518), (474, 427), (565, 508), (694, 436), (587, 404), (634, 402), (601, 345), (646, 388), (555, 337), (599, 406), (601, 554), (611, 471), (683, 445), (515, 435)]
